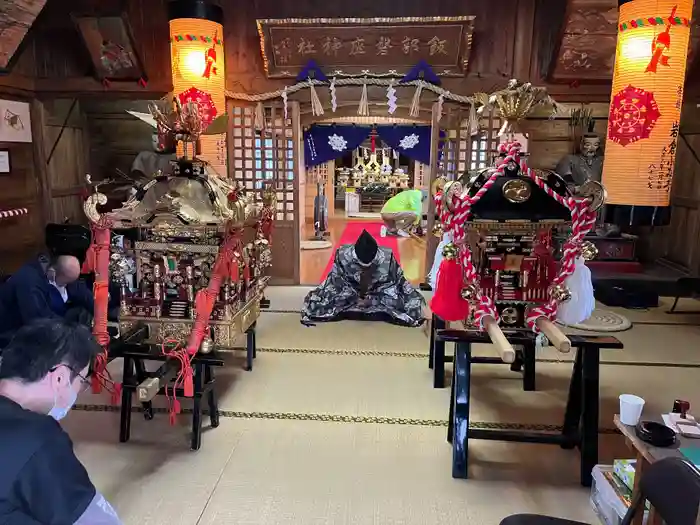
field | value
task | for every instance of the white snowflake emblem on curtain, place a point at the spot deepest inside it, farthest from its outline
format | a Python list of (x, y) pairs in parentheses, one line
[(337, 142), (409, 141)]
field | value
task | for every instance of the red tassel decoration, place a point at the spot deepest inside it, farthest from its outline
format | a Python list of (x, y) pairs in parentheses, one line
[(447, 302)]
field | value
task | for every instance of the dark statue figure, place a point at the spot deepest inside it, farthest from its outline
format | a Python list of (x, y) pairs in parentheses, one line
[(586, 165), (583, 166)]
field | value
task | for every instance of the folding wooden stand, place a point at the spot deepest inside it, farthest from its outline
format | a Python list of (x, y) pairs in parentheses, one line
[(580, 428)]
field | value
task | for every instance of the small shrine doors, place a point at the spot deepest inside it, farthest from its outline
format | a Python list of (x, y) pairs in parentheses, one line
[(264, 147), (455, 150)]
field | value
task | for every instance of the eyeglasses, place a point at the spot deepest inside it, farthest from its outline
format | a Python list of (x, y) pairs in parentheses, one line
[(84, 380)]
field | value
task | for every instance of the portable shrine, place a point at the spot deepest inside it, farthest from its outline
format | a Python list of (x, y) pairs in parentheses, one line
[(500, 272), (193, 271)]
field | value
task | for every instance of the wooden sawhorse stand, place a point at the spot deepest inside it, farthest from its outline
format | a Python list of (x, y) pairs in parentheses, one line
[(524, 358), (580, 427)]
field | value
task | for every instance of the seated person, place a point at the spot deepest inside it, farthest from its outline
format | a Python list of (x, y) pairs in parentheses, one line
[(401, 212), (42, 481), (365, 283), (44, 289)]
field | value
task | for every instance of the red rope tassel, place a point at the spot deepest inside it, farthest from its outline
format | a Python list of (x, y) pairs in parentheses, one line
[(447, 302)]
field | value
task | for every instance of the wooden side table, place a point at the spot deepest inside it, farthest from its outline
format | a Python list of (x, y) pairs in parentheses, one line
[(646, 454)]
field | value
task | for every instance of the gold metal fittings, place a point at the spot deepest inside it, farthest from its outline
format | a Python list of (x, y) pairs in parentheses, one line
[(517, 191), (559, 293)]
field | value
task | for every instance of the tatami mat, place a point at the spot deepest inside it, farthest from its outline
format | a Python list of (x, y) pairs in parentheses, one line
[(253, 472), (369, 475), (644, 344), (339, 423), (307, 386)]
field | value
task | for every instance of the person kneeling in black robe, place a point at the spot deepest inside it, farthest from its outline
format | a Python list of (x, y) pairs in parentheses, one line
[(365, 283)]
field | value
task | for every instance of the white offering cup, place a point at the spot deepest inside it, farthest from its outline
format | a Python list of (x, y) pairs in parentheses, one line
[(631, 407)]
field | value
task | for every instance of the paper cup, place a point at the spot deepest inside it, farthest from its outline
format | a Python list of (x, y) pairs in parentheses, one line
[(631, 407)]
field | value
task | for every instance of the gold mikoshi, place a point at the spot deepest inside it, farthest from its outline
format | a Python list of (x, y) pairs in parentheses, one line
[(438, 230), (469, 292), (589, 251), (450, 251), (559, 293)]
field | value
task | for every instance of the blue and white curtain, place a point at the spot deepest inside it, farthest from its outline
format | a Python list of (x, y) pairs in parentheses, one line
[(324, 143), (410, 141)]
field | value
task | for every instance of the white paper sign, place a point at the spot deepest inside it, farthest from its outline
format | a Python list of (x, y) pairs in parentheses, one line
[(4, 162)]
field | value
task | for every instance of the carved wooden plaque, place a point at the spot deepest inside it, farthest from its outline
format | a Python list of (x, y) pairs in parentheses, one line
[(371, 46), (587, 50)]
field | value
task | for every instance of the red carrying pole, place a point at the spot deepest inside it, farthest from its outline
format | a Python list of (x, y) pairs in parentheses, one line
[(101, 237), (223, 268)]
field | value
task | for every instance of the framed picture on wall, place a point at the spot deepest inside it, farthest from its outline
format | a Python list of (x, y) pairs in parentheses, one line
[(15, 125), (5, 166), (110, 43)]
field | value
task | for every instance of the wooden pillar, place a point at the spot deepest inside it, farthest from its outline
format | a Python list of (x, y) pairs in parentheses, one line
[(432, 241), (38, 118)]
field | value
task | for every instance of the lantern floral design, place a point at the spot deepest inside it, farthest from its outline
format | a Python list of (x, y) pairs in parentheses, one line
[(633, 114), (207, 109)]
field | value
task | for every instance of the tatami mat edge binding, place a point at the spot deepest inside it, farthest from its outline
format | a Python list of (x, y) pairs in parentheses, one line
[(337, 418), (424, 355), (646, 323)]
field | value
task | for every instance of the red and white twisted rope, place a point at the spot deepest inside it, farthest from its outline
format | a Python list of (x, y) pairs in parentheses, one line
[(4, 214), (582, 222)]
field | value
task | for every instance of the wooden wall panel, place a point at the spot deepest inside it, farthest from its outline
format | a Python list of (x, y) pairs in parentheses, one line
[(66, 149), (116, 137), (503, 44), (679, 242), (20, 237), (551, 139), (53, 48)]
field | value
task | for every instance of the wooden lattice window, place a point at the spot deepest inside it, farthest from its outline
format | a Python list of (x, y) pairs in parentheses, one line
[(319, 173), (455, 145), (484, 143), (264, 156), (420, 175)]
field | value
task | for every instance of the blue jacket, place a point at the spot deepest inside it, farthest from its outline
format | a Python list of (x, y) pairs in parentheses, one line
[(28, 295)]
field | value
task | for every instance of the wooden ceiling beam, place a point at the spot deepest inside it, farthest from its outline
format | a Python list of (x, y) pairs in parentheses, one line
[(550, 22), (88, 86)]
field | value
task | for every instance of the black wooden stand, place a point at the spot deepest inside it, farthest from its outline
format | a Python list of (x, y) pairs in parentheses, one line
[(250, 347), (135, 357), (135, 354), (580, 427), (524, 357)]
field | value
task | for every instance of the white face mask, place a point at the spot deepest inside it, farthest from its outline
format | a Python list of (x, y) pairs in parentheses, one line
[(59, 413)]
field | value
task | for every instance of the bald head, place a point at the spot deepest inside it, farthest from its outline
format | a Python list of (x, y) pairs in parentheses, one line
[(67, 269)]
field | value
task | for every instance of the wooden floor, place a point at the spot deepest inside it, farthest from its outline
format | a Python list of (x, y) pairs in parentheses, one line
[(313, 262)]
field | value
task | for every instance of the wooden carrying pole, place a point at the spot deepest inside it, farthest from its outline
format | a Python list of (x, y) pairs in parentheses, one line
[(503, 347), (555, 336)]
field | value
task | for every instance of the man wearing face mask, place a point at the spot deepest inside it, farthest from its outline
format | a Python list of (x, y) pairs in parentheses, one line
[(44, 289), (42, 371)]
